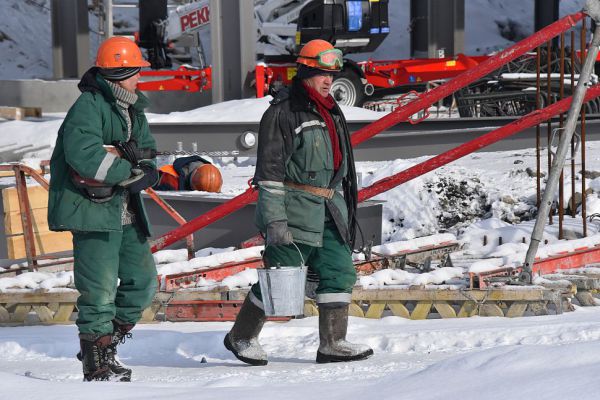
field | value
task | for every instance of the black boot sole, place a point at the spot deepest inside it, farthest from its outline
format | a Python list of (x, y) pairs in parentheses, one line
[(251, 361), (327, 358)]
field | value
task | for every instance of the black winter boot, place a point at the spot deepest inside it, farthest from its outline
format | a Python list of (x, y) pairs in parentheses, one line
[(333, 325), (242, 339), (93, 357), (120, 333)]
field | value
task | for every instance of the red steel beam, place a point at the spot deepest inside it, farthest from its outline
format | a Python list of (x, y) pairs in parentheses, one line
[(175, 215), (205, 219), (399, 115), (532, 119), (577, 258)]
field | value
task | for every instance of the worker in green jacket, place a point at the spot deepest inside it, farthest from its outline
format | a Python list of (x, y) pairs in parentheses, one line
[(307, 197), (98, 168)]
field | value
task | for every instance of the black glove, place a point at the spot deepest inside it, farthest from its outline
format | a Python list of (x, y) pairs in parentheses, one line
[(129, 150), (278, 234), (143, 176)]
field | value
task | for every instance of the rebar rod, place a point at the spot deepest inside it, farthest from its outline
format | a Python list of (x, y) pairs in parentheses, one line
[(593, 10), (583, 188), (573, 204), (549, 101), (561, 180), (538, 132)]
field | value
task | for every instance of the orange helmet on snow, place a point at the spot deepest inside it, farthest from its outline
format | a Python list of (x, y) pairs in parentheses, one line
[(120, 52), (206, 178), (322, 55)]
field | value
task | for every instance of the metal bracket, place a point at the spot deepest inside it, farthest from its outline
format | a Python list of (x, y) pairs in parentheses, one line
[(397, 262)]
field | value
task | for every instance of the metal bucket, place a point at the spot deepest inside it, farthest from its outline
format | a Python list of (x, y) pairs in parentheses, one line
[(282, 290)]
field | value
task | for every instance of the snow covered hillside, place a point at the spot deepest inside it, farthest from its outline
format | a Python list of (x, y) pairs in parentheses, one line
[(25, 35)]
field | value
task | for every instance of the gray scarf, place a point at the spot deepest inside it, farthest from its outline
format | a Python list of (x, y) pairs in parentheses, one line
[(124, 100)]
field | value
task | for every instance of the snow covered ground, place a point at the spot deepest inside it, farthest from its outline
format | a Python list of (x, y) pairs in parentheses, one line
[(550, 358)]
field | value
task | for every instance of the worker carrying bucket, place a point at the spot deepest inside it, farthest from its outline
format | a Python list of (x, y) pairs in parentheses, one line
[(307, 196)]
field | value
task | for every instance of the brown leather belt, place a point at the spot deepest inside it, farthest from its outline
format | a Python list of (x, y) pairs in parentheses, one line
[(317, 191)]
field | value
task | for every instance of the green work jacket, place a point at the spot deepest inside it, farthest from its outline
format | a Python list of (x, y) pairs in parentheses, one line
[(93, 121), (294, 146)]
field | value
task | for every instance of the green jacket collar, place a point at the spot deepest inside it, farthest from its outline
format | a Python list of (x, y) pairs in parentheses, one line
[(93, 82)]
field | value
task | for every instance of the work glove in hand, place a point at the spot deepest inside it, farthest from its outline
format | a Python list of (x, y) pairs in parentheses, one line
[(143, 176), (278, 234), (128, 150)]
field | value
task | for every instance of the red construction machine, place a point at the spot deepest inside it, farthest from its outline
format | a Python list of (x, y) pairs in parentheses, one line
[(284, 26)]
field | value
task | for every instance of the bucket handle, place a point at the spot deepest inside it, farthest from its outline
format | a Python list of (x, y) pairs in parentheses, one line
[(299, 252)]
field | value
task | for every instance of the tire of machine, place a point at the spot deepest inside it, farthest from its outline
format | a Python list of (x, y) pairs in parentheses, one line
[(347, 89)]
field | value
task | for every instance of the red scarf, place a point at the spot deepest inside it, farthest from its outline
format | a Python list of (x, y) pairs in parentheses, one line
[(324, 106)]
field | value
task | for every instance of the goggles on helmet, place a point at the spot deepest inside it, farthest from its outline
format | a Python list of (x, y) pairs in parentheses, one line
[(330, 59)]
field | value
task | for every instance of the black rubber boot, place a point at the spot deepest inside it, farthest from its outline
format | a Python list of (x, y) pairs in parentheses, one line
[(333, 325), (93, 357), (242, 339), (120, 333)]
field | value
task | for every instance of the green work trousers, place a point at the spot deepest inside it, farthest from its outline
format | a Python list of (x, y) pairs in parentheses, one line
[(115, 275), (332, 263)]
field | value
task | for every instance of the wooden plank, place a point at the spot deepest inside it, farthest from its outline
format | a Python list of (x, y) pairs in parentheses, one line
[(516, 309), (310, 309), (18, 113), (421, 310), (45, 243), (44, 313), (64, 312), (585, 298), (150, 313), (375, 310), (468, 309), (490, 310), (399, 310), (38, 198), (421, 294), (4, 315), (444, 309), (38, 297), (5, 174), (20, 313), (538, 308), (355, 310), (39, 221)]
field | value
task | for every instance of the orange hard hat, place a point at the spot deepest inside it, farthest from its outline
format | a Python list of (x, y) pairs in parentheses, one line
[(120, 52), (321, 54), (206, 178)]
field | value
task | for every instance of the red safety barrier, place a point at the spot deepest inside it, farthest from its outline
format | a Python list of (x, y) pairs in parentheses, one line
[(401, 114)]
